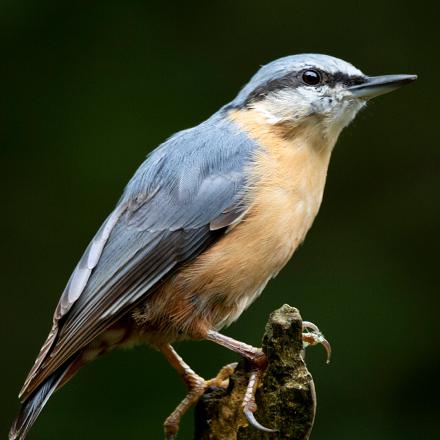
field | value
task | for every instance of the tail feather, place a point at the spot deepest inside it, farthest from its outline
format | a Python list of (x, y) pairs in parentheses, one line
[(33, 405)]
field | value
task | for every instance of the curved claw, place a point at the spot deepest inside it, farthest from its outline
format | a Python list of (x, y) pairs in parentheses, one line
[(328, 349), (253, 421), (310, 326)]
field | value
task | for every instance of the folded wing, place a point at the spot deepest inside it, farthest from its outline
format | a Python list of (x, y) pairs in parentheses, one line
[(179, 202)]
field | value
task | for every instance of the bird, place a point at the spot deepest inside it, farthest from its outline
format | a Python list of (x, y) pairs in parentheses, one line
[(208, 219)]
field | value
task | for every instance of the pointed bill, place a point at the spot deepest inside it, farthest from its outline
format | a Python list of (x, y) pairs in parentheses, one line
[(379, 85)]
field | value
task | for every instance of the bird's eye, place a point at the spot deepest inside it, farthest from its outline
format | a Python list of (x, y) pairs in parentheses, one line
[(311, 77)]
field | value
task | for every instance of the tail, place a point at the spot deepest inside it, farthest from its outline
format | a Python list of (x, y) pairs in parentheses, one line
[(33, 405)]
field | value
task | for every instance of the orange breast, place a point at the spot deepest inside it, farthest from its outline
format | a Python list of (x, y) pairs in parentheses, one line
[(286, 188)]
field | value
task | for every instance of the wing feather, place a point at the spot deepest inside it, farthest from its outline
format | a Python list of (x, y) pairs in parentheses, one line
[(73, 290), (179, 202)]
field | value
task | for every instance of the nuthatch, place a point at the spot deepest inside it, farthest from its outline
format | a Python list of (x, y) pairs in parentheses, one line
[(207, 220)]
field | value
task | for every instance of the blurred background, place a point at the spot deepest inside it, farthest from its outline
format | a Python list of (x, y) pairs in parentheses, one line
[(88, 89)]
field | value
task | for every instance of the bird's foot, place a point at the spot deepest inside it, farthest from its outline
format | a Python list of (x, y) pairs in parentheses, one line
[(196, 387), (313, 336), (259, 364)]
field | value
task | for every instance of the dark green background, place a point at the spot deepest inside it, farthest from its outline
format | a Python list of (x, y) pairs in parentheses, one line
[(87, 90)]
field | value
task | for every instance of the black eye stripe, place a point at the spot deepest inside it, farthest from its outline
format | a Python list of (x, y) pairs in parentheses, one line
[(343, 78), (284, 82), (293, 80)]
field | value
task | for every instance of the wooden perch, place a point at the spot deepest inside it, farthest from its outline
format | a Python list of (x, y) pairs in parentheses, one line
[(286, 398)]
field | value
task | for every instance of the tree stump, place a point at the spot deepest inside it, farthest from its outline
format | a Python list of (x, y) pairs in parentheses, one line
[(286, 398)]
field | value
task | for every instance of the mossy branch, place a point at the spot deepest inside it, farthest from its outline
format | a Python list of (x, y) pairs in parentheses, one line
[(286, 398)]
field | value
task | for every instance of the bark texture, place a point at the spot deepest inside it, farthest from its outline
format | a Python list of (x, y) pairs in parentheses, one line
[(286, 398)]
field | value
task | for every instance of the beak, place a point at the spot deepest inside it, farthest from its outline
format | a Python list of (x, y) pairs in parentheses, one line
[(379, 85)]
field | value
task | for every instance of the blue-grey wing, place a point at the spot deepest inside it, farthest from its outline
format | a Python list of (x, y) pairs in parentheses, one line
[(179, 202)]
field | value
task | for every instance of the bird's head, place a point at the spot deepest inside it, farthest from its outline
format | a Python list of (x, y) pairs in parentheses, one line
[(313, 90)]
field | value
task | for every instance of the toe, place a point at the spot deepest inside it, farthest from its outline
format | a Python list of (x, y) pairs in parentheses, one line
[(313, 336)]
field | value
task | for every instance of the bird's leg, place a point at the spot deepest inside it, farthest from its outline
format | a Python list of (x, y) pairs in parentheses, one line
[(196, 387)]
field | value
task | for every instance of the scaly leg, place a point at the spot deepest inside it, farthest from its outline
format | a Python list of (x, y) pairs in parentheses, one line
[(259, 362), (196, 387)]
